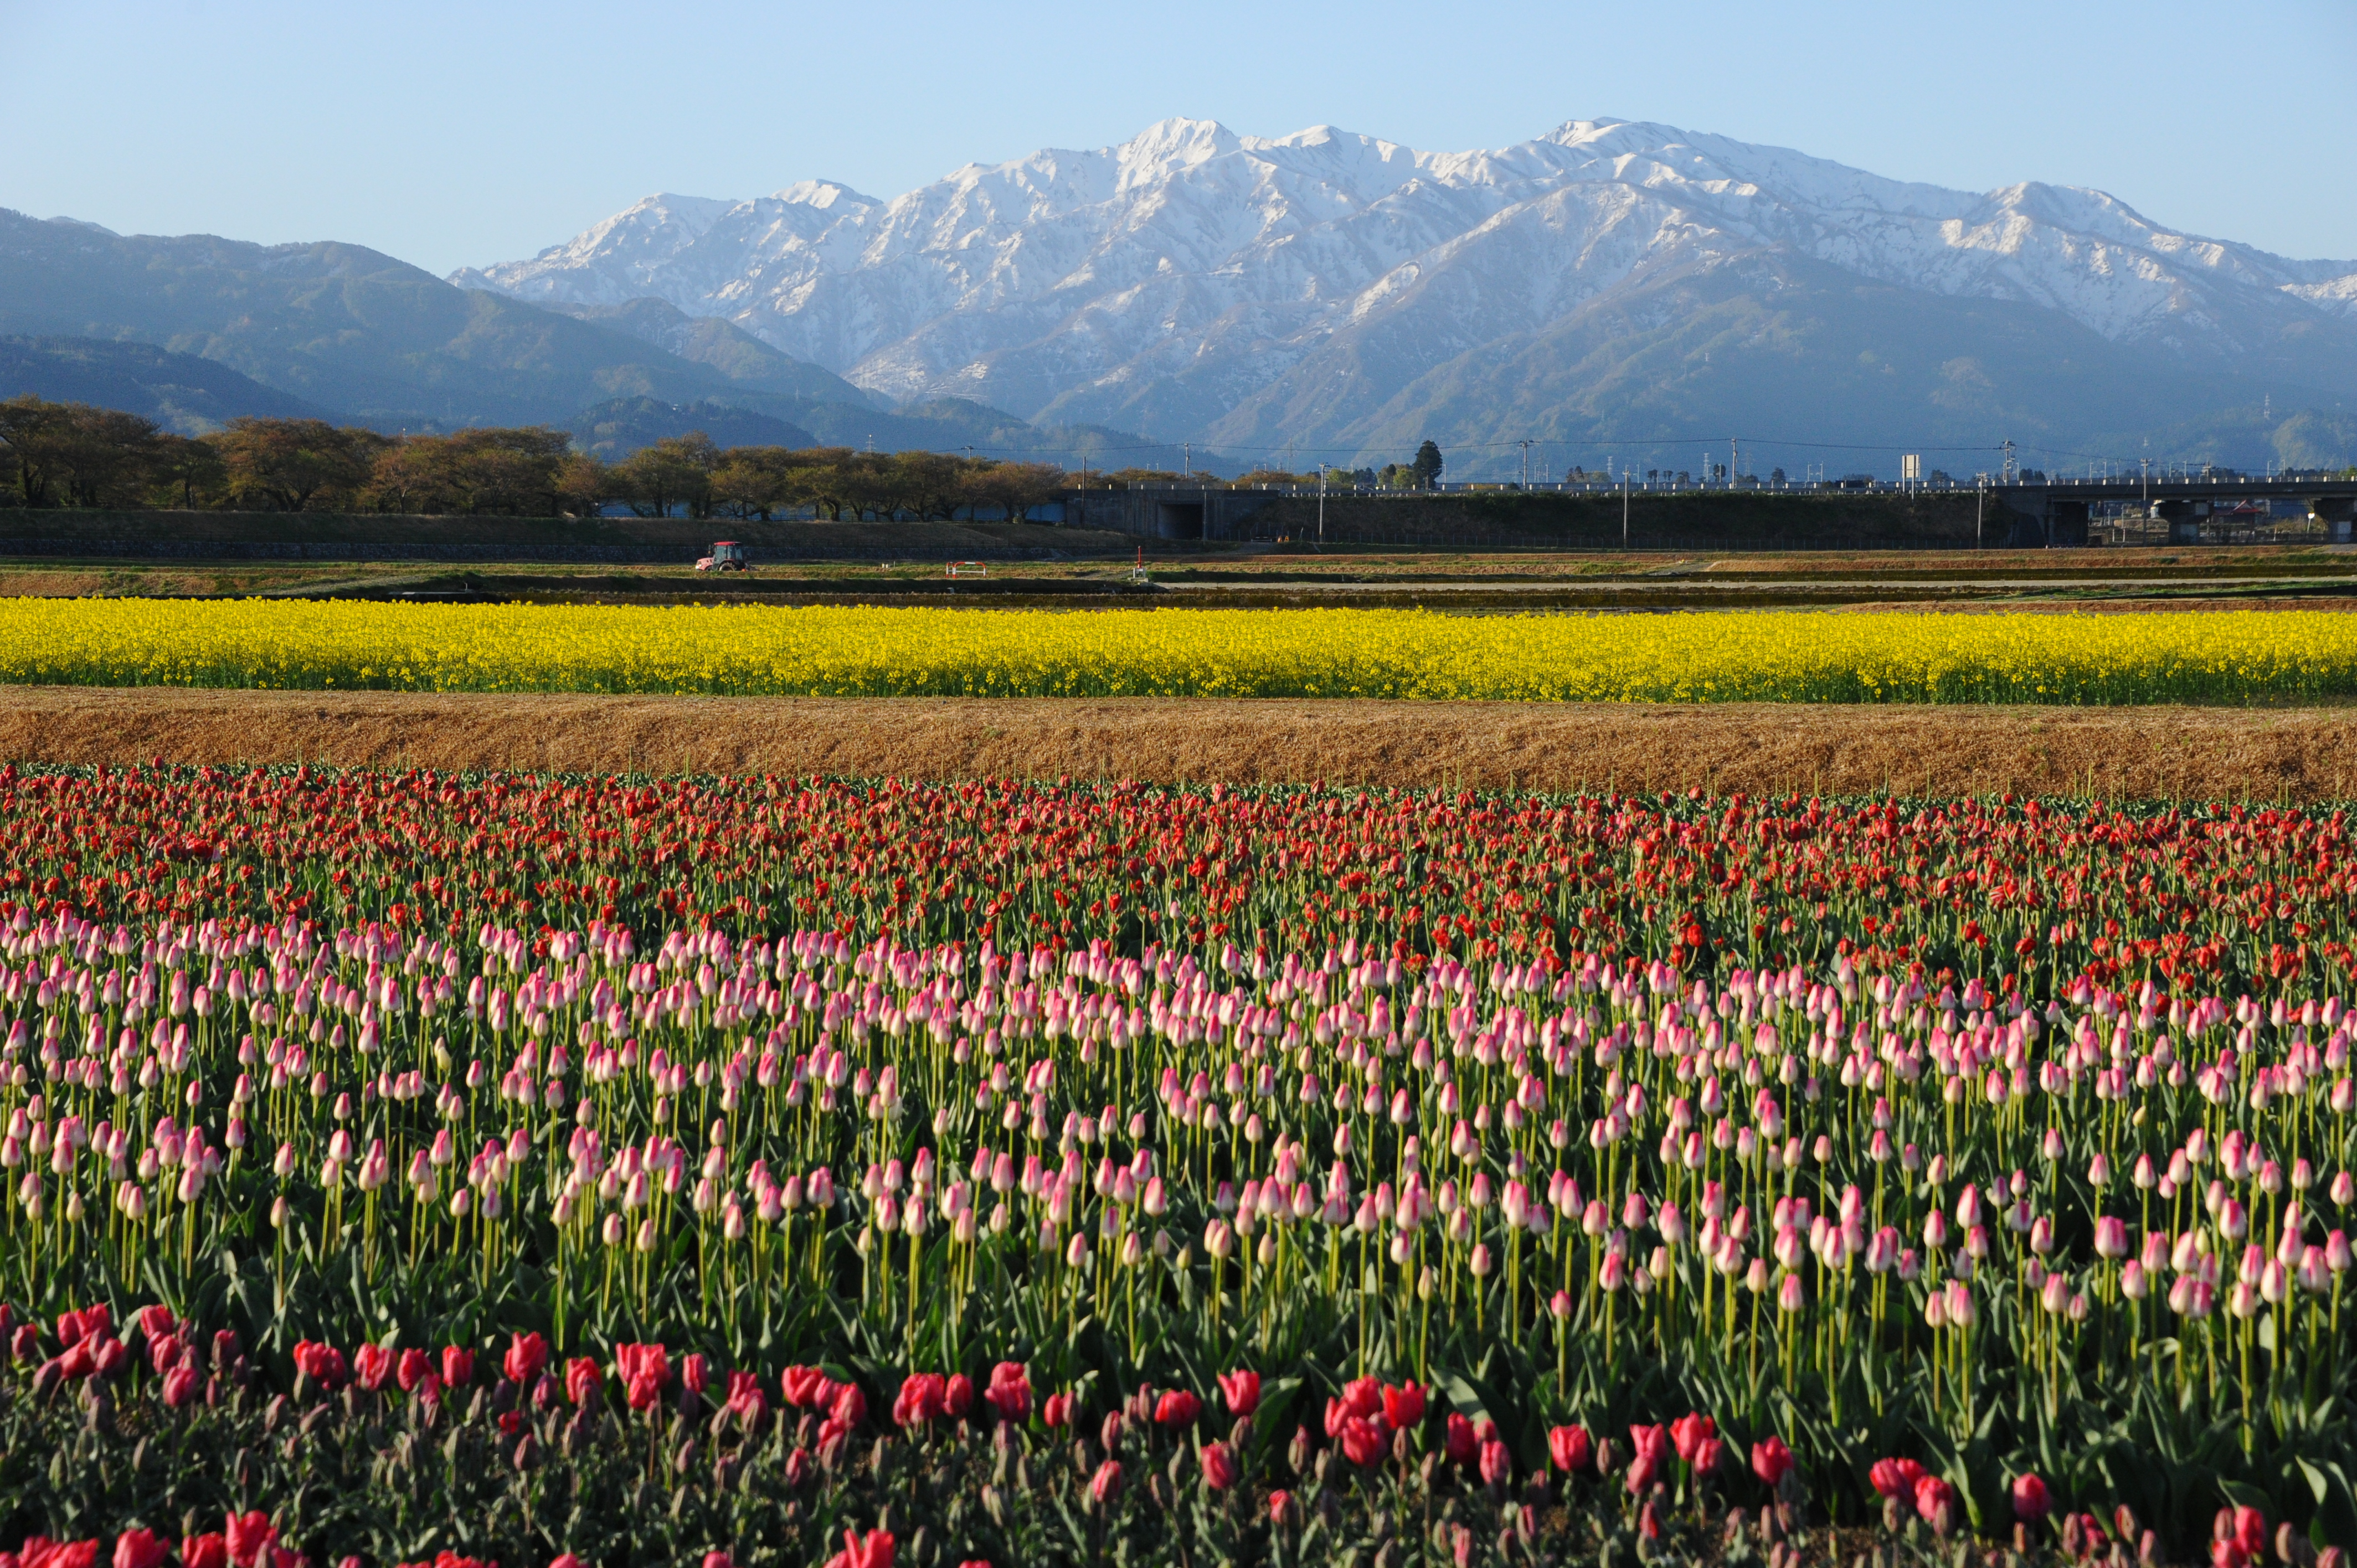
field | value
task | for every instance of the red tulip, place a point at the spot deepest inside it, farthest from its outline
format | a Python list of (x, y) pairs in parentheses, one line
[(78, 1325), (922, 1398), (155, 1321), (872, 1550), (323, 1364), (957, 1396), (164, 1352), (1403, 1407), (1497, 1464), (1709, 1454), (717, 1558), (527, 1356), (371, 1366), (457, 1365), (1106, 1484), (1009, 1392), (39, 1552), (1363, 1397), (2030, 1498), (182, 1385), (1936, 1503), (1652, 1456), (2227, 1553), (583, 1381), (1770, 1460), (139, 1548), (693, 1375), (1178, 1408), (567, 1559), (644, 1371), (850, 1407), (2251, 1530), (109, 1356), (1896, 1477), (1219, 1466), (1057, 1412), (1282, 1511), (208, 1550), (250, 1538), (1362, 1440), (1463, 1446), (1337, 1412), (805, 1388), (1241, 1390), (1688, 1430), (412, 1369), (1569, 1448)]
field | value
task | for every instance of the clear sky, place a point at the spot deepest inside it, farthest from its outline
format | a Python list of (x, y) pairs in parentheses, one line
[(452, 134)]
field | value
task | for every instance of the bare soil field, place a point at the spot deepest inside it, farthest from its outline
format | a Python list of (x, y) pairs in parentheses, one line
[(2281, 754)]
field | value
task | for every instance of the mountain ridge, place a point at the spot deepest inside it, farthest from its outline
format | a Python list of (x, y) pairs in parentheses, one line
[(1174, 281)]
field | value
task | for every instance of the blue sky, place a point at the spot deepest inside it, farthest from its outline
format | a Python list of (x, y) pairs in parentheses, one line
[(451, 134)]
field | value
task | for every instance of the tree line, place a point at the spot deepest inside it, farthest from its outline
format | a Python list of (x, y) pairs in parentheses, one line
[(72, 454)]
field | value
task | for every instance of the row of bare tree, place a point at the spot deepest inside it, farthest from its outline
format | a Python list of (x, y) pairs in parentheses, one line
[(72, 454)]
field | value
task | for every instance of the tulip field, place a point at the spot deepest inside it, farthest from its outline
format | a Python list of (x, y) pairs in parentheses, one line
[(2059, 660), (406, 1169)]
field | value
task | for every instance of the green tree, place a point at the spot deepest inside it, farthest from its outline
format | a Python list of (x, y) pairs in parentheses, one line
[(33, 431), (1427, 466), (183, 472), (74, 454), (1013, 486), (288, 463), (672, 472)]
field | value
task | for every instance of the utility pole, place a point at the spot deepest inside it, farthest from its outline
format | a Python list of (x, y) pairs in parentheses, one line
[(1624, 509), (1734, 461), (1321, 505), (1526, 464), (1980, 506), (1190, 462)]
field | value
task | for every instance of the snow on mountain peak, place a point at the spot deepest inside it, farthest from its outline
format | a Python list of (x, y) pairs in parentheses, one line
[(1189, 254)]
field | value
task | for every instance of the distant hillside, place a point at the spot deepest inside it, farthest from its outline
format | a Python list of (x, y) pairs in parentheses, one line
[(749, 364), (615, 429), (338, 326), (182, 392)]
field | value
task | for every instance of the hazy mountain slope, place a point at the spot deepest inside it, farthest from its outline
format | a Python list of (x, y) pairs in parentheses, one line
[(747, 362), (182, 393), (615, 429), (1195, 282), (339, 325)]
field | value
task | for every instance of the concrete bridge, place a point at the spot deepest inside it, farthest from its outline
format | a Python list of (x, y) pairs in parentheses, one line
[(2057, 511)]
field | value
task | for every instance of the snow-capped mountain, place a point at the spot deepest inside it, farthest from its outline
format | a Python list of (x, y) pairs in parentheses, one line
[(1196, 282)]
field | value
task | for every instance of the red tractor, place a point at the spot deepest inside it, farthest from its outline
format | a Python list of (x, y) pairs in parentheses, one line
[(727, 555)]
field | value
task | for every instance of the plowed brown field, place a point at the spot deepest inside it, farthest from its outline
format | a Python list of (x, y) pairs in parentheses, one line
[(2119, 753)]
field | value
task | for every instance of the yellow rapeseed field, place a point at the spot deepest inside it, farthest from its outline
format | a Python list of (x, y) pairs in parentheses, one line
[(1730, 657)]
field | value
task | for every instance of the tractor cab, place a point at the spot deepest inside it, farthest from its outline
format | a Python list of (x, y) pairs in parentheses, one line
[(727, 555)]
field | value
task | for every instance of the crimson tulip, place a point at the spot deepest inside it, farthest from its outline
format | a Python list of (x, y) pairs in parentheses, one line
[(527, 1356), (1241, 1388), (140, 1549), (1010, 1391), (1178, 1407), (1403, 1407), (1219, 1466), (1770, 1460)]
